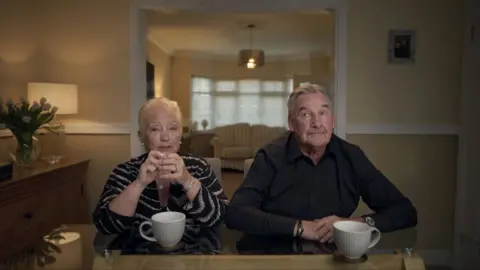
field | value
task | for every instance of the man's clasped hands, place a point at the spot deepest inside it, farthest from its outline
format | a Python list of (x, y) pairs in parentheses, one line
[(320, 229)]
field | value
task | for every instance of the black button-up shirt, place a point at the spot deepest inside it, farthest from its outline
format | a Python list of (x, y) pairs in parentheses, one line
[(283, 186)]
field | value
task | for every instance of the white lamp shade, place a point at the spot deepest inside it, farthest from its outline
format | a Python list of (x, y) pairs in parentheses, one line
[(63, 96)]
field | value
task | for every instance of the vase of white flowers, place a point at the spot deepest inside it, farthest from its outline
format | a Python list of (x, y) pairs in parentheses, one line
[(24, 120)]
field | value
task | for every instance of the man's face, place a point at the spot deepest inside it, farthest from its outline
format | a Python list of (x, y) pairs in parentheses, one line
[(312, 120)]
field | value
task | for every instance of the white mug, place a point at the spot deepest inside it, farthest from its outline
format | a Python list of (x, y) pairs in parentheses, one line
[(167, 228), (353, 239)]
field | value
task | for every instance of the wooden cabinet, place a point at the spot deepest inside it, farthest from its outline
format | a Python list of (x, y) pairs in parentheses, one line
[(39, 199)]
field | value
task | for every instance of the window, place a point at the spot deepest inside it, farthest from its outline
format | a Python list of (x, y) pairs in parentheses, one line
[(201, 100), (224, 102)]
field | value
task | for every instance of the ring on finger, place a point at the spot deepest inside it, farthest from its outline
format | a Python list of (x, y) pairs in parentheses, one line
[(176, 169), (152, 168)]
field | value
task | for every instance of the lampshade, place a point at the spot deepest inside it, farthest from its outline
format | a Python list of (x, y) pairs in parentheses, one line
[(63, 96), (248, 56)]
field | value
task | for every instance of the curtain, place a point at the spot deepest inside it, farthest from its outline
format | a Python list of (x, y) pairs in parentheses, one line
[(254, 101)]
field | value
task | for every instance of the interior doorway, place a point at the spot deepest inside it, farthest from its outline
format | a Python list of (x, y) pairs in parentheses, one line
[(139, 37), (242, 67)]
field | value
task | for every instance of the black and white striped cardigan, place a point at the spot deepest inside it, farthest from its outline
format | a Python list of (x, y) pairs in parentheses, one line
[(206, 210)]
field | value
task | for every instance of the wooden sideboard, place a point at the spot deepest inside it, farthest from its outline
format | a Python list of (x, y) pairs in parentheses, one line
[(39, 199)]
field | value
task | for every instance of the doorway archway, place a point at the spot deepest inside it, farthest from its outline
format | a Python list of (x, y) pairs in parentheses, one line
[(138, 39)]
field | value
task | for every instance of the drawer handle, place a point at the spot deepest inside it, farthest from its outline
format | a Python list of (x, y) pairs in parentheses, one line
[(28, 215)]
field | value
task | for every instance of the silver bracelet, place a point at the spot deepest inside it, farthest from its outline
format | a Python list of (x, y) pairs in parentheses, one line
[(190, 184)]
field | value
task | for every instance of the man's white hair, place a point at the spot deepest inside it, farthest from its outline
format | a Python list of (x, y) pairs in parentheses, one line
[(306, 88)]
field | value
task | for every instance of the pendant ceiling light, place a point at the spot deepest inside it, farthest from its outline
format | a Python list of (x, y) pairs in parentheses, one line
[(251, 58)]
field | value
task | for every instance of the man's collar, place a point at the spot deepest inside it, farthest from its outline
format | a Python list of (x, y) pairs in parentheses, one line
[(294, 152), (293, 149)]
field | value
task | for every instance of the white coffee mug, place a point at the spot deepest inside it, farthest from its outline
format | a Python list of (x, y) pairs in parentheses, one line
[(167, 228), (353, 239)]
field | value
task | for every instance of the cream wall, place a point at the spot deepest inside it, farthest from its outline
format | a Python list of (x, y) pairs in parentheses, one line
[(163, 69), (69, 42), (424, 169), (81, 42), (427, 93)]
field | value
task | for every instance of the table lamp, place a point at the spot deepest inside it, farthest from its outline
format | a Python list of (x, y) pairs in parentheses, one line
[(70, 256), (63, 96)]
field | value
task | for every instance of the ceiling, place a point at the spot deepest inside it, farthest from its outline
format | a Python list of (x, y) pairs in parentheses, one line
[(279, 34)]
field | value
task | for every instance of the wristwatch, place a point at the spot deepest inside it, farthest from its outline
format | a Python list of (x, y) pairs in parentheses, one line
[(370, 222), (299, 231)]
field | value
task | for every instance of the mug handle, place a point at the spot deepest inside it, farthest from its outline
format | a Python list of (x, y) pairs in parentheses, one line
[(143, 233), (375, 237)]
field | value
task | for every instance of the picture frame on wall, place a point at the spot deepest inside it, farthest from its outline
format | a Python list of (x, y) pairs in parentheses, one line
[(402, 46)]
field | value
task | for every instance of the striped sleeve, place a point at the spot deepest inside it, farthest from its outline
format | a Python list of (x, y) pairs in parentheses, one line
[(208, 207), (105, 220)]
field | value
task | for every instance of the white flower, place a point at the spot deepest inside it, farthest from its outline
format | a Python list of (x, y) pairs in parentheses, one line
[(43, 100), (35, 106), (26, 119), (54, 109)]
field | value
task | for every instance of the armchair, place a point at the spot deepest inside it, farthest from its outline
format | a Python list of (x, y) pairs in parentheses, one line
[(246, 166), (216, 165), (235, 143), (232, 145)]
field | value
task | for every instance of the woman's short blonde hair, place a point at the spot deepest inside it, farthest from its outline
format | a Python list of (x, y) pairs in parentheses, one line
[(160, 102)]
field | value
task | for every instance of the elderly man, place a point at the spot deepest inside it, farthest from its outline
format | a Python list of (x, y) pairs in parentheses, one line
[(303, 182)]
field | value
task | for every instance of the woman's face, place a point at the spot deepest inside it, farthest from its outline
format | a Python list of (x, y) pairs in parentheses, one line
[(162, 130)]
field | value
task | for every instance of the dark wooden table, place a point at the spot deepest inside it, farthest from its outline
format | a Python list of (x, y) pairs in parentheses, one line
[(83, 248)]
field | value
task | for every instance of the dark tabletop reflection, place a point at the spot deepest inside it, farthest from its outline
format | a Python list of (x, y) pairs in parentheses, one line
[(86, 245), (220, 240), (194, 241), (250, 244)]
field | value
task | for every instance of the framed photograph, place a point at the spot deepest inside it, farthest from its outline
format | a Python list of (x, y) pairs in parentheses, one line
[(401, 46)]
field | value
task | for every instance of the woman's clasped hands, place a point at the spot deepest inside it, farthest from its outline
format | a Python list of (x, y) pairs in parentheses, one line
[(163, 166)]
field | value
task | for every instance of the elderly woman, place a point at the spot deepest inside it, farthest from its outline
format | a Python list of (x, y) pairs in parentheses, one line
[(161, 179)]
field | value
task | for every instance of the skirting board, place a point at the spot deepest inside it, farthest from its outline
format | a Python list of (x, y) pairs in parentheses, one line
[(352, 129), (401, 129), (88, 128)]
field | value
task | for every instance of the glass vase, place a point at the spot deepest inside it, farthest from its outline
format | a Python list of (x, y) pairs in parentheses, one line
[(27, 150)]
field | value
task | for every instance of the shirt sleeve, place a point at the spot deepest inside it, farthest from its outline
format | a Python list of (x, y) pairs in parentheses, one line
[(244, 211), (209, 206), (393, 211), (105, 220)]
